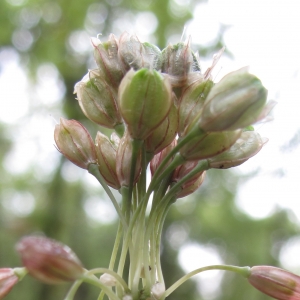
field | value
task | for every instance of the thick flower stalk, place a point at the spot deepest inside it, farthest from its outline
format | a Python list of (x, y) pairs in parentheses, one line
[(164, 113)]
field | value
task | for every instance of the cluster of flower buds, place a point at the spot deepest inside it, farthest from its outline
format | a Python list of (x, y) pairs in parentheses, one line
[(160, 98)]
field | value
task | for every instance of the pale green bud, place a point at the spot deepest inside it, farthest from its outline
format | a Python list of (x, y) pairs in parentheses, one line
[(106, 57), (164, 134), (98, 100), (136, 55), (235, 102), (248, 145), (124, 158), (209, 144), (145, 99), (106, 155), (75, 143), (192, 102)]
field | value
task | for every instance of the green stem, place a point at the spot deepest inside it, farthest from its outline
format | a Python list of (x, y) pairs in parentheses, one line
[(94, 170), (102, 286), (72, 291), (244, 271), (116, 247)]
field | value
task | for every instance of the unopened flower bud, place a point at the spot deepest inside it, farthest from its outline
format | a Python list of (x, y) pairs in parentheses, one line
[(158, 290), (275, 282), (247, 145), (145, 99), (98, 100), (136, 55), (106, 154), (75, 143), (106, 57), (235, 102), (124, 158), (193, 183), (164, 134), (209, 144), (108, 279), (49, 260), (178, 61), (192, 101), (7, 281), (159, 157)]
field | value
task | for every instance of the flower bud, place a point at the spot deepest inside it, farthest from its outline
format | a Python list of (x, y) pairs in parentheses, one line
[(209, 144), (164, 134), (48, 260), (108, 279), (145, 99), (192, 101), (124, 158), (235, 102), (193, 183), (7, 281), (247, 145), (75, 143), (106, 154), (98, 100), (178, 61), (136, 55), (106, 57), (159, 157), (275, 282)]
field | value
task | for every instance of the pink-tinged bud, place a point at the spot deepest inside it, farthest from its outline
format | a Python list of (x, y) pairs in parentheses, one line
[(209, 144), (75, 143), (98, 100), (106, 154), (192, 101), (247, 145), (7, 281), (193, 183), (164, 134), (159, 157), (136, 55), (235, 102), (275, 282), (145, 99), (179, 61), (124, 158), (106, 57), (48, 260)]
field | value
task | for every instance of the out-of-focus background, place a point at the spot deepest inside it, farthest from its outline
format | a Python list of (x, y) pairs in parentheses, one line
[(245, 216)]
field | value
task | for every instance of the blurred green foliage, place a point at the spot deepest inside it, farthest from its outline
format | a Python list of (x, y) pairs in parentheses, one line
[(40, 31)]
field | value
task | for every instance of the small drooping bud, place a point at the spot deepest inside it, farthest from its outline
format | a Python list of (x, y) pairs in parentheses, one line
[(106, 57), (158, 158), (106, 154), (75, 143), (145, 99), (247, 145), (164, 134), (192, 101), (158, 290), (209, 144), (235, 102), (193, 183), (277, 283), (98, 100), (179, 61), (136, 55), (48, 260), (8, 279), (108, 279), (124, 158)]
